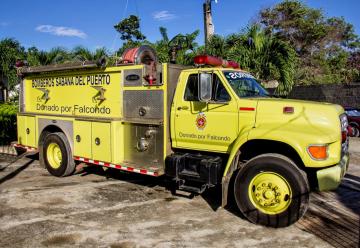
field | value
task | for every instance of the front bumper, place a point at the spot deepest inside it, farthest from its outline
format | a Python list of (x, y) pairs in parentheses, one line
[(330, 178)]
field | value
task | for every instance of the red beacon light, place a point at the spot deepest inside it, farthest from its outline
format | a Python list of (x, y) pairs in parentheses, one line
[(214, 61)]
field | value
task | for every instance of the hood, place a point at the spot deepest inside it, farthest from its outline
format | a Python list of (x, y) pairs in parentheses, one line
[(314, 118)]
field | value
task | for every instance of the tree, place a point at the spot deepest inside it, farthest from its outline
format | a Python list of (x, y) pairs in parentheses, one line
[(129, 29), (10, 52), (265, 56), (306, 28), (186, 54), (130, 33), (185, 42), (56, 55), (318, 41), (162, 46), (81, 54)]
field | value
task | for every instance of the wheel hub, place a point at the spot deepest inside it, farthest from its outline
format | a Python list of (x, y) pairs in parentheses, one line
[(54, 155), (270, 193)]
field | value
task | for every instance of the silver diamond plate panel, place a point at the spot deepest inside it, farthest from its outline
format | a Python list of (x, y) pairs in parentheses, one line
[(144, 104)]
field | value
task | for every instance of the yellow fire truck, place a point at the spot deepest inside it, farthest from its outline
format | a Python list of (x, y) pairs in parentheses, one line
[(203, 126)]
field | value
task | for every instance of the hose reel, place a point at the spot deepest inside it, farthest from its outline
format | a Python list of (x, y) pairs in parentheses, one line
[(143, 55)]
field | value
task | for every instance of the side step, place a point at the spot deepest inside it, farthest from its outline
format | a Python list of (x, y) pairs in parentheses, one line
[(194, 172), (193, 188)]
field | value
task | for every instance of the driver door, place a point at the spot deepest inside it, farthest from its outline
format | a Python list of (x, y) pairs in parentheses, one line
[(211, 126)]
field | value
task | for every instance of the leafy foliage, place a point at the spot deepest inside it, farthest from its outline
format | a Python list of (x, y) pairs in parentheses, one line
[(291, 43), (60, 55), (129, 29), (10, 52), (186, 52), (7, 123), (266, 57), (323, 45)]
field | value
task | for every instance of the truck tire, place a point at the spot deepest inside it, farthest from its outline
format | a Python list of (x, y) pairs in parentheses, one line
[(57, 156), (271, 190)]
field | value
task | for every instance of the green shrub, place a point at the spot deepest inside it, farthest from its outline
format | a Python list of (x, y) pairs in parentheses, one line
[(7, 123)]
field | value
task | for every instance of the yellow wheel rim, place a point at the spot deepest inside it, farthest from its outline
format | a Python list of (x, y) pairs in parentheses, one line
[(54, 155), (270, 193)]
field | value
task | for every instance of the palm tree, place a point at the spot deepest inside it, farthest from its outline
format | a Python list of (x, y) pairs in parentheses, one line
[(81, 54), (265, 56), (57, 55), (187, 43), (161, 47)]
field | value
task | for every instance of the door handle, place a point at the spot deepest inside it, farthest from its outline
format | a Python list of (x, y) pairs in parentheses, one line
[(183, 108)]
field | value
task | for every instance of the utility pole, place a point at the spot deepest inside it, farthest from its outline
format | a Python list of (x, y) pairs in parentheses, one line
[(208, 24)]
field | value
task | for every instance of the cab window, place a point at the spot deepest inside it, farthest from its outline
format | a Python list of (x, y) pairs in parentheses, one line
[(191, 91), (219, 93)]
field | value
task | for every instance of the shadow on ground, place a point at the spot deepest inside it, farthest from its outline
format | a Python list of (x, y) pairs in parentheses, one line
[(212, 196), (14, 173), (334, 216)]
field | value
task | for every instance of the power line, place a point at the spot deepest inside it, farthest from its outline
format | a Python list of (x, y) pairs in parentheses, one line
[(137, 14), (117, 34), (125, 10)]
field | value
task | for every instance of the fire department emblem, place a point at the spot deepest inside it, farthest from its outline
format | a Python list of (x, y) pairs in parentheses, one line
[(200, 121)]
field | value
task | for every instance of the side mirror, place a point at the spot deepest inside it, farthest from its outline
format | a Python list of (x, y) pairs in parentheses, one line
[(205, 87)]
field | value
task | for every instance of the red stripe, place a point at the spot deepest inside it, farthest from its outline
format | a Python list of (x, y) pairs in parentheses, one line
[(247, 109), (142, 171), (25, 147)]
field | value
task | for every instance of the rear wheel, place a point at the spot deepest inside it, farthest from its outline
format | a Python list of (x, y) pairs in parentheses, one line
[(271, 190), (56, 155)]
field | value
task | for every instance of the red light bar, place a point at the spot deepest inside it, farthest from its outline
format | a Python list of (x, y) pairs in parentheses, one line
[(214, 61), (233, 64), (207, 60)]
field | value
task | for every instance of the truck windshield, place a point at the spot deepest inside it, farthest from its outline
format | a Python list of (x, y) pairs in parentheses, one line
[(244, 84)]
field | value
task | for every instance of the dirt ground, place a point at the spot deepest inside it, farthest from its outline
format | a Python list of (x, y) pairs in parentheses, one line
[(117, 209)]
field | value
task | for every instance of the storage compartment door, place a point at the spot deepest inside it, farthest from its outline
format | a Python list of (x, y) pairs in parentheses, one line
[(21, 129), (82, 139), (26, 131), (30, 131), (101, 141)]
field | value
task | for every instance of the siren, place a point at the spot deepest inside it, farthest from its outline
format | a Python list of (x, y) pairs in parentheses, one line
[(214, 61)]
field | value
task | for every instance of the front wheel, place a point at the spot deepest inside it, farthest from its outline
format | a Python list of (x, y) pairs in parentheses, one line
[(56, 155), (271, 190)]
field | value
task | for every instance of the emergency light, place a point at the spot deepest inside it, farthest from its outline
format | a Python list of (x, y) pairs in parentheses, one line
[(214, 61)]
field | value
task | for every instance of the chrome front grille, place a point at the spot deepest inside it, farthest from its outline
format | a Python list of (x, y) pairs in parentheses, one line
[(344, 122), (344, 125)]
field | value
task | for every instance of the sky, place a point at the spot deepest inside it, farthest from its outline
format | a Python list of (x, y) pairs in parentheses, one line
[(89, 23)]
